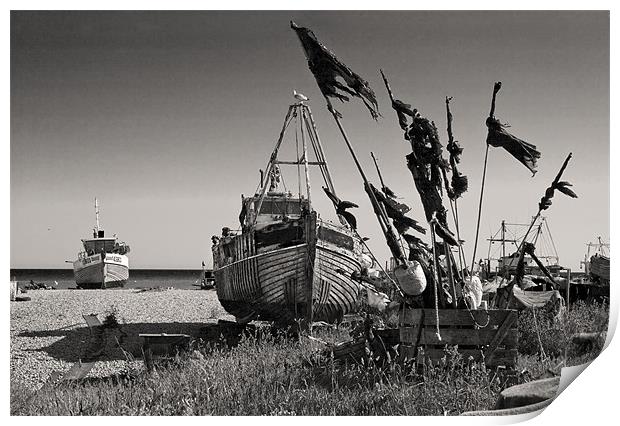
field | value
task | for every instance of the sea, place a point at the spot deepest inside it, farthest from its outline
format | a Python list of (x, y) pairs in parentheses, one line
[(184, 279)]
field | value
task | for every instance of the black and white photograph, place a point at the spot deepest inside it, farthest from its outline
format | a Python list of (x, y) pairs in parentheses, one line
[(306, 212)]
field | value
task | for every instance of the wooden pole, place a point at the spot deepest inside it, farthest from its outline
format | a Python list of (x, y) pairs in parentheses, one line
[(379, 210), (568, 291), (484, 174), (305, 151), (496, 88), (309, 275), (454, 203), (377, 167), (448, 254)]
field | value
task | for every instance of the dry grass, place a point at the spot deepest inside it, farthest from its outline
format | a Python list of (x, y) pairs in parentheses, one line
[(277, 376), (269, 376)]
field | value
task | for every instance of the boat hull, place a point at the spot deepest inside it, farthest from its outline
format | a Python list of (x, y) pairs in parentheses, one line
[(281, 284), (101, 272), (599, 268)]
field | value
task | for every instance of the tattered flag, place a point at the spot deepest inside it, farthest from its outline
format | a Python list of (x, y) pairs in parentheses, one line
[(458, 183), (401, 222), (326, 69), (562, 186), (341, 207), (402, 109), (524, 152)]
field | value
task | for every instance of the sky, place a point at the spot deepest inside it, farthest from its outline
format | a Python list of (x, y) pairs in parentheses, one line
[(166, 118)]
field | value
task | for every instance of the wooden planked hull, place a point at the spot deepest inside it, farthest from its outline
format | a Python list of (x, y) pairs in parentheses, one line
[(599, 267), (275, 285)]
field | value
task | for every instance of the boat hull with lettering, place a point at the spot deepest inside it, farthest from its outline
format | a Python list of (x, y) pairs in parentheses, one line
[(93, 272), (103, 262)]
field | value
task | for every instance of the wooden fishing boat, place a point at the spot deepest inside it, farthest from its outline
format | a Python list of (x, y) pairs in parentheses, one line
[(599, 268), (103, 263), (287, 264), (506, 264), (597, 265)]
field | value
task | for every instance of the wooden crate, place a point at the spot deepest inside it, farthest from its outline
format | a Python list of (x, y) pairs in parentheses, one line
[(482, 334), (14, 290), (162, 345)]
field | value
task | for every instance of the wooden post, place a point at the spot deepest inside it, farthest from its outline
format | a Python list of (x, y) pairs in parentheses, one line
[(309, 275), (568, 291), (13, 290), (448, 254)]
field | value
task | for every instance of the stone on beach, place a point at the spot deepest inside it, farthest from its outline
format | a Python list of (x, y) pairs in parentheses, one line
[(49, 334)]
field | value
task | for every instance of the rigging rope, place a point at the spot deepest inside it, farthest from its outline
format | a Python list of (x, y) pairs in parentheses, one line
[(455, 215), (435, 280), (484, 174)]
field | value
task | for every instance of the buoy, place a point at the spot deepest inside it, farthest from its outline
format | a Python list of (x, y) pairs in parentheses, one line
[(411, 278)]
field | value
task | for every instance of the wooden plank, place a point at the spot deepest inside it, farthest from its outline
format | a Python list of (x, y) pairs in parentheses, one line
[(505, 357), (310, 237), (467, 336), (390, 336), (510, 320), (409, 316), (410, 335), (165, 339), (407, 352), (13, 290), (92, 321), (451, 317)]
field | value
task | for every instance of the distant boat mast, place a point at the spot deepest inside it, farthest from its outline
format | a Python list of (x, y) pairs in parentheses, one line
[(96, 217)]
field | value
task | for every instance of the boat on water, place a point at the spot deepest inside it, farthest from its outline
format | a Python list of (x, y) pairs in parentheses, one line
[(103, 263), (286, 264)]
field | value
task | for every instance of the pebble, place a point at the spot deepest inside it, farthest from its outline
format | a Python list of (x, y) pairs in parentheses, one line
[(48, 333)]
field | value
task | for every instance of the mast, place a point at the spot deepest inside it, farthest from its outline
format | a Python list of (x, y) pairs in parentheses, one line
[(305, 151), (301, 114), (377, 167), (96, 218), (503, 239), (272, 163)]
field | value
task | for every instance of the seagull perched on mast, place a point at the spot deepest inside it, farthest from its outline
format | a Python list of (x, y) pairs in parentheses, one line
[(299, 96)]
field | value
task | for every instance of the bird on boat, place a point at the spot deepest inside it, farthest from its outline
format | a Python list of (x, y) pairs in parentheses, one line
[(341, 207), (299, 96)]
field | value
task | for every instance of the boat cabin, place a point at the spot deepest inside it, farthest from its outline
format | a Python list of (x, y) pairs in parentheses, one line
[(276, 207), (100, 243)]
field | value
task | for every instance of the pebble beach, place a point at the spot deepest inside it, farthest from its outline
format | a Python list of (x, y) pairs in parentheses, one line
[(49, 334)]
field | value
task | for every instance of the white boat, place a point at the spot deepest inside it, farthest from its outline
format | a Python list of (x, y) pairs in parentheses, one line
[(103, 263)]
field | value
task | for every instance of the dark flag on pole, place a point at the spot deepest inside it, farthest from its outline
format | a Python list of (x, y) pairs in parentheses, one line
[(326, 69), (523, 151)]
